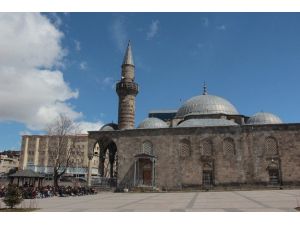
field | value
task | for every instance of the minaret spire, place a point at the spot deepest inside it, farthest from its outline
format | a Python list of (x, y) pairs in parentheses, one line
[(128, 58), (127, 90), (204, 88)]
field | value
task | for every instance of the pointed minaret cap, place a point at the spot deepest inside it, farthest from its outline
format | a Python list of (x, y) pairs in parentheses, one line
[(204, 89), (128, 59)]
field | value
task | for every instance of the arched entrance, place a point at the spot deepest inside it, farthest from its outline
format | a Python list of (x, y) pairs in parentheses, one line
[(144, 170), (108, 163), (108, 160), (207, 176), (274, 173)]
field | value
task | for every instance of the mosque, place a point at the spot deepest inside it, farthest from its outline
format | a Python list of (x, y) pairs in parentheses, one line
[(206, 143)]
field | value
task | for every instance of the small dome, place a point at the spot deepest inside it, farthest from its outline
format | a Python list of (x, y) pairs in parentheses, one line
[(264, 118), (206, 104), (152, 122), (206, 123), (109, 127)]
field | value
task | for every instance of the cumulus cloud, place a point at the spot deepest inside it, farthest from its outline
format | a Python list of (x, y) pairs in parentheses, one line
[(32, 88), (153, 29), (119, 34)]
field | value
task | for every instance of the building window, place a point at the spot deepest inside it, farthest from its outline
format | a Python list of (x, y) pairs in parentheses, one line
[(229, 146), (147, 148), (185, 148), (207, 149), (271, 146)]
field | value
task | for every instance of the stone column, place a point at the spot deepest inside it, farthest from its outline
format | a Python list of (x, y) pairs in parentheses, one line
[(89, 177), (134, 174)]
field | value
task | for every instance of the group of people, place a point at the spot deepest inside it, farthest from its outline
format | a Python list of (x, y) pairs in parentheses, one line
[(30, 192)]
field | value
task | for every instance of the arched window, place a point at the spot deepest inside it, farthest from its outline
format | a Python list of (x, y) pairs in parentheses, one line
[(185, 148), (147, 148), (271, 147), (229, 146), (207, 149)]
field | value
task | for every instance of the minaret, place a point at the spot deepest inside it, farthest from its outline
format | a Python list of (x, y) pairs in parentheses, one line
[(127, 89)]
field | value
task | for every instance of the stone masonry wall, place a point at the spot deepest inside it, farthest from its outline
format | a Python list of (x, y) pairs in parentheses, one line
[(246, 165)]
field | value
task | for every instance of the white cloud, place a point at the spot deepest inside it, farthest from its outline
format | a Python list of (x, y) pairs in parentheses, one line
[(119, 34), (153, 29), (32, 88), (83, 127), (77, 45), (106, 82), (83, 65), (221, 27), (55, 19), (25, 132)]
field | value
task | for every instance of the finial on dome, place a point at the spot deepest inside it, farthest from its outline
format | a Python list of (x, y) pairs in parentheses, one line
[(204, 89)]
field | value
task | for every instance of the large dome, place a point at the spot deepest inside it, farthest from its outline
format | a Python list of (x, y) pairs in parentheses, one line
[(264, 118), (207, 123), (109, 127), (206, 104), (150, 123)]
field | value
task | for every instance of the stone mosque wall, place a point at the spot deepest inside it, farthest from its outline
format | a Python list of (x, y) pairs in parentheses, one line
[(236, 155)]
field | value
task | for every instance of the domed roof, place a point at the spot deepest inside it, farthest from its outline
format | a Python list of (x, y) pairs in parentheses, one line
[(109, 127), (264, 118), (206, 104), (206, 123), (152, 122)]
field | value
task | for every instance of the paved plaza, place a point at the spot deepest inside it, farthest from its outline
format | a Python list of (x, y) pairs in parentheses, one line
[(229, 201)]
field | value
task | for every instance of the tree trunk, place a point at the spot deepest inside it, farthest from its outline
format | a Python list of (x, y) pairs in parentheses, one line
[(55, 179)]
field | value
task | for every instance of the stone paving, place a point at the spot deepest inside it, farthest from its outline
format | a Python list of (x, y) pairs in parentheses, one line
[(229, 201)]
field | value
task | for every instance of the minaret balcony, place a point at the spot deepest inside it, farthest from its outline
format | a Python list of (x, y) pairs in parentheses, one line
[(128, 87)]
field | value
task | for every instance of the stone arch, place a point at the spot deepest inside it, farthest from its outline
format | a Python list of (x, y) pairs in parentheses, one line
[(206, 147), (274, 172), (108, 158), (271, 146), (147, 148), (229, 146), (207, 175), (185, 148)]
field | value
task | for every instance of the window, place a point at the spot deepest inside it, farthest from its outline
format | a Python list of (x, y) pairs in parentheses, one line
[(271, 147), (229, 146), (147, 148), (207, 148), (185, 148)]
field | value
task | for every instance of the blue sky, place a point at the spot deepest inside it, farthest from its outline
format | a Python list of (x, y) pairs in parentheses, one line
[(250, 59)]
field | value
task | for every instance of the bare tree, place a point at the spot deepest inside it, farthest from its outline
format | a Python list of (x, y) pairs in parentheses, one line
[(61, 146)]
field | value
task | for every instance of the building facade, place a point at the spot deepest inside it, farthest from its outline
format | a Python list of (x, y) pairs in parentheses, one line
[(36, 155), (8, 161), (206, 143)]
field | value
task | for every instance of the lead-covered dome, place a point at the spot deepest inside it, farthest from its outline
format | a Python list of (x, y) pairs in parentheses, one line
[(152, 122), (264, 118), (206, 104), (109, 127), (206, 123)]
